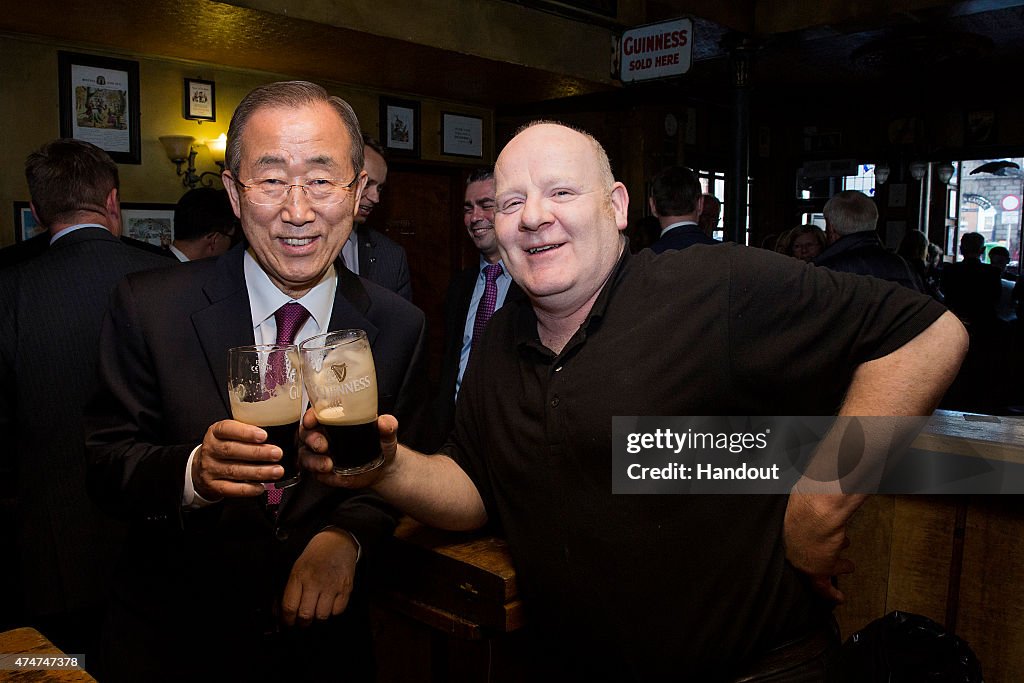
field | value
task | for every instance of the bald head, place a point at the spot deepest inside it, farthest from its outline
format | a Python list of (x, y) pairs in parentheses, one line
[(559, 215), (563, 132)]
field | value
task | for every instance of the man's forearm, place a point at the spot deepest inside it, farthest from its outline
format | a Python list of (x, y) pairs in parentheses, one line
[(434, 490), (905, 383)]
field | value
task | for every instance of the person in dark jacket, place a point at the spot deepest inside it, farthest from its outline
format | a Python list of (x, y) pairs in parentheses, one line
[(853, 244)]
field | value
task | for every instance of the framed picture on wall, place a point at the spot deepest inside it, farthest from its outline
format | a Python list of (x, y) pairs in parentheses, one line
[(462, 136), (99, 103), (153, 223), (400, 126), (25, 225), (199, 102)]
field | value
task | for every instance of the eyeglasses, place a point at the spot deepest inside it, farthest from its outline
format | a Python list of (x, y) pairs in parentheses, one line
[(274, 192)]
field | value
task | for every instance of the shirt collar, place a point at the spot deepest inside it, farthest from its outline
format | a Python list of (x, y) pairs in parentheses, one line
[(676, 225), (265, 298), (526, 319), (71, 228), (180, 254), (484, 263)]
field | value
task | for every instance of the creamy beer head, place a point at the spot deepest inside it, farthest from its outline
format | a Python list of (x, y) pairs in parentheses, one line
[(340, 377), (341, 381), (281, 408)]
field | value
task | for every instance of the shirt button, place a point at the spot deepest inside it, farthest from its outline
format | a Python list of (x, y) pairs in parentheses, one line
[(554, 402), (281, 534)]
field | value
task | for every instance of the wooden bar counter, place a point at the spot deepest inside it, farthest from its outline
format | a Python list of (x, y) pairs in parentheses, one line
[(31, 644), (447, 606)]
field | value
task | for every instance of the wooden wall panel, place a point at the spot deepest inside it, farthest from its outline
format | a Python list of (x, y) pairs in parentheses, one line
[(922, 550), (866, 590), (991, 610)]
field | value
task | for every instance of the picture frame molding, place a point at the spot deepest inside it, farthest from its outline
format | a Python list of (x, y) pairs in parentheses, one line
[(190, 109), (140, 209), (21, 210), (448, 118), (66, 62), (392, 105)]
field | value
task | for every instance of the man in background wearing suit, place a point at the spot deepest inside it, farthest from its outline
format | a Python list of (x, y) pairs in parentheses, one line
[(204, 224), (368, 252), (473, 295), (677, 202), (51, 309), (219, 581)]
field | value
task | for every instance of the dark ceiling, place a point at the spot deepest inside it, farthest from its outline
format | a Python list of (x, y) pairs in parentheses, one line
[(980, 38)]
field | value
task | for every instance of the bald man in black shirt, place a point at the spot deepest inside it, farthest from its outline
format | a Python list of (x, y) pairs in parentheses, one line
[(651, 587)]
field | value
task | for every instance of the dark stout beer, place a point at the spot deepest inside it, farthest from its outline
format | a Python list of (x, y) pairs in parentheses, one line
[(278, 417), (341, 380), (354, 448)]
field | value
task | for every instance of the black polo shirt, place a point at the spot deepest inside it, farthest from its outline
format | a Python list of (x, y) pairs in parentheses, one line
[(651, 587)]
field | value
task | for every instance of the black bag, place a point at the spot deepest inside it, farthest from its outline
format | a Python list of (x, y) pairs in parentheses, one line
[(907, 648)]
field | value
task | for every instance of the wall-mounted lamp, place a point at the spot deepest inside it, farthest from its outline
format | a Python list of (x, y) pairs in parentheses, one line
[(179, 150), (218, 146), (881, 173), (944, 171), (918, 169)]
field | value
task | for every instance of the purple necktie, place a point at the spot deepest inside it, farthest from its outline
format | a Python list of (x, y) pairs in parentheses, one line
[(289, 319), (485, 309)]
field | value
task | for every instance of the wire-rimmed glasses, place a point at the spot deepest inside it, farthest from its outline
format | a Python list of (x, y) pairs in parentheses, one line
[(275, 191)]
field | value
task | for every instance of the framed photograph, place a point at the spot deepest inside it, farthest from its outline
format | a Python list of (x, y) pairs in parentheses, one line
[(99, 103), (153, 223), (400, 126), (25, 225), (199, 103), (981, 127), (462, 136)]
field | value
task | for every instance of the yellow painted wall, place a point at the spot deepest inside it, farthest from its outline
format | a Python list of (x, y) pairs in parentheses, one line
[(30, 114)]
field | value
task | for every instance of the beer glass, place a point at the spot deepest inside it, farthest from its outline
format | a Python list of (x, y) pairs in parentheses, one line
[(265, 389), (338, 370)]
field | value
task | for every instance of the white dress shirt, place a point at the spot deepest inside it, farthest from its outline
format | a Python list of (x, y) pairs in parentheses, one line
[(264, 300), (504, 281)]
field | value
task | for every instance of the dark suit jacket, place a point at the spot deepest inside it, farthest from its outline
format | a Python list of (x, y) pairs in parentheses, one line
[(194, 585), (23, 251), (383, 260), (681, 237), (30, 248), (862, 253), (456, 309), (972, 289), (53, 308)]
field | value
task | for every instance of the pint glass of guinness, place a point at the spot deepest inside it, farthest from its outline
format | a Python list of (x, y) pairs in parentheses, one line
[(265, 389), (337, 368)]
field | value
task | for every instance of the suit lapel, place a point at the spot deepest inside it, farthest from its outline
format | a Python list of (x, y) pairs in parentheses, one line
[(226, 322), (365, 246), (469, 277), (351, 303)]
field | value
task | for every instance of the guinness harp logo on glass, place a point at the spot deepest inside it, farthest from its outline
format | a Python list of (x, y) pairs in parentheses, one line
[(340, 371)]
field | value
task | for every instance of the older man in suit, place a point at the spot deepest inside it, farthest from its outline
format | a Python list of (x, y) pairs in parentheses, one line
[(51, 309), (369, 252), (218, 578)]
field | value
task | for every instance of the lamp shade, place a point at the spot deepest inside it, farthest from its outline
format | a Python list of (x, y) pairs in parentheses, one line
[(918, 169), (217, 147), (944, 171), (177, 146)]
